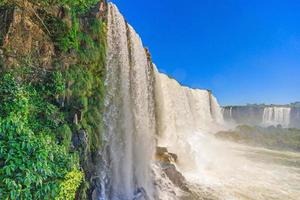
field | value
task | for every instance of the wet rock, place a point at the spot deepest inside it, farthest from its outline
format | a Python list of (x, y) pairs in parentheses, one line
[(96, 188), (80, 139), (175, 176), (141, 194), (163, 155), (166, 161)]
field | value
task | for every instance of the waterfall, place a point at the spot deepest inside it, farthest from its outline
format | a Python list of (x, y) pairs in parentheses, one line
[(183, 112), (129, 116), (216, 110), (227, 113), (142, 104), (276, 116)]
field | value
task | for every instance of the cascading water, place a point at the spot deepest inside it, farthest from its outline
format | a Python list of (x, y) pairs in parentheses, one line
[(144, 108), (216, 110), (182, 112), (130, 118), (263, 115), (276, 116)]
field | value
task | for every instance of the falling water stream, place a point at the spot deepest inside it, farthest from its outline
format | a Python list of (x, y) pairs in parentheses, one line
[(276, 116), (129, 118), (145, 108)]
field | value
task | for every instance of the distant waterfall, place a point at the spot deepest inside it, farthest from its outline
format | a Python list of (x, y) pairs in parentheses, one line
[(227, 114), (230, 112), (129, 117), (276, 116), (263, 115)]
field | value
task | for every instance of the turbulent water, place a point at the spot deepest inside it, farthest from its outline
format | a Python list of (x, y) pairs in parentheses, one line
[(232, 172), (276, 116), (182, 111), (145, 108), (130, 118)]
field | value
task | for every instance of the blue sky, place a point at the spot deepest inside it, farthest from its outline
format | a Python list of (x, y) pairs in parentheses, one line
[(245, 51)]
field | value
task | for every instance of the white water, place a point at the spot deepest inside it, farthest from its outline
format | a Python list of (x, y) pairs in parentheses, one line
[(130, 112), (276, 116), (129, 116), (237, 172), (141, 102), (182, 111)]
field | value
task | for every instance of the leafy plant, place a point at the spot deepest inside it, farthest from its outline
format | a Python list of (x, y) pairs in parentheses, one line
[(38, 106), (69, 186), (33, 165)]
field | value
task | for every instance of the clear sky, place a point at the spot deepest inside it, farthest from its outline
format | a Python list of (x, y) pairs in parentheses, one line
[(245, 51)]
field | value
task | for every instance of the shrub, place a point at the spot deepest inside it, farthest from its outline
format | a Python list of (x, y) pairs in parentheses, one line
[(33, 165), (69, 186)]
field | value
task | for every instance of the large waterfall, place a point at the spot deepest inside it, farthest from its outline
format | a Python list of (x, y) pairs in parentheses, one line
[(145, 109), (130, 118), (141, 105), (183, 112), (276, 116)]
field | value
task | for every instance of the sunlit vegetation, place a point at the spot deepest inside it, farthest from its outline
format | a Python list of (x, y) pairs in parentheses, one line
[(38, 107)]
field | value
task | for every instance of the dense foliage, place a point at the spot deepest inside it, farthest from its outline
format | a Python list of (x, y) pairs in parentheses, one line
[(70, 185), (33, 165), (38, 159), (271, 137)]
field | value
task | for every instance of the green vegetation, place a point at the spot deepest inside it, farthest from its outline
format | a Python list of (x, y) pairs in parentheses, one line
[(32, 164), (39, 107), (69, 186), (277, 138)]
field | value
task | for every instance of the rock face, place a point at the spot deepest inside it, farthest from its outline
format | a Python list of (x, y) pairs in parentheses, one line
[(166, 161), (264, 115), (6, 18), (23, 35), (163, 155)]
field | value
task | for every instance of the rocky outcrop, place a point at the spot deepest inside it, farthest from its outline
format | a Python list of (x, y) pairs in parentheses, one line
[(23, 35), (167, 161), (163, 155)]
